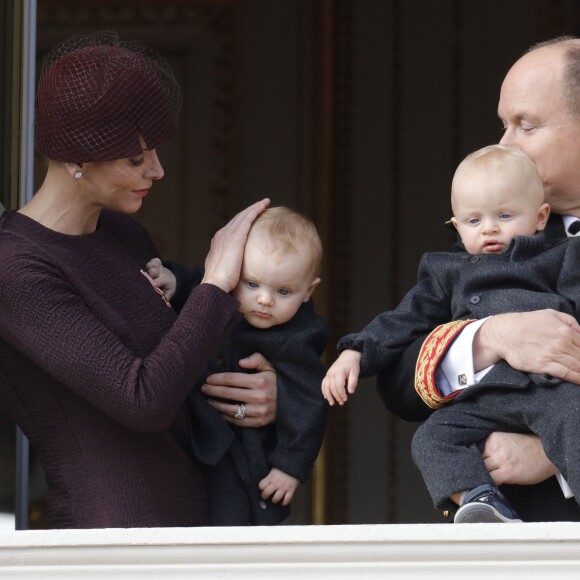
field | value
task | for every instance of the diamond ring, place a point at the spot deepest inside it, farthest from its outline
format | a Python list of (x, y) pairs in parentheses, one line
[(241, 412)]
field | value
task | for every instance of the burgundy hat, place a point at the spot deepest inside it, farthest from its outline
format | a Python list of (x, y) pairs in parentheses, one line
[(96, 96)]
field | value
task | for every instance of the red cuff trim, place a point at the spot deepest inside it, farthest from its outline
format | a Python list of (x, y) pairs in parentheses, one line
[(432, 351)]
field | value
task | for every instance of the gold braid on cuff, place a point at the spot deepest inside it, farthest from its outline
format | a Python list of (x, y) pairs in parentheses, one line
[(432, 351)]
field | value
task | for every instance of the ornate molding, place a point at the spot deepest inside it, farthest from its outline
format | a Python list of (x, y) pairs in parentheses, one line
[(134, 12), (478, 551)]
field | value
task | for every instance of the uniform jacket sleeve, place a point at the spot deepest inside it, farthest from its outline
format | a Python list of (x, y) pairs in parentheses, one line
[(568, 284), (396, 385)]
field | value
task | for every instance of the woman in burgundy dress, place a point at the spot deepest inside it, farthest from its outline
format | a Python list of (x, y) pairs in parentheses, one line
[(94, 363)]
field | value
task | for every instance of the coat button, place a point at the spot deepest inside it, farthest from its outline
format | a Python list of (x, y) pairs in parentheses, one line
[(475, 299), (474, 259), (263, 505)]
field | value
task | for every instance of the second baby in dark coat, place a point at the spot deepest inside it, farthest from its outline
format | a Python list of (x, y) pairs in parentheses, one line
[(252, 474)]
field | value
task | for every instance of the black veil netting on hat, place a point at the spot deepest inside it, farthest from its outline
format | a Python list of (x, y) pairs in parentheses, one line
[(96, 96)]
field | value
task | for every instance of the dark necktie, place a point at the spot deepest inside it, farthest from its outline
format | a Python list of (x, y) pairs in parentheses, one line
[(574, 228)]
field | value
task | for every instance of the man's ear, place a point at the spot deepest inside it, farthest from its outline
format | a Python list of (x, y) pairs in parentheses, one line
[(543, 215), (308, 294)]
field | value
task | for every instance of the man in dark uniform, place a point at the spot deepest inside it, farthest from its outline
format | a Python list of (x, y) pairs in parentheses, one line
[(540, 109)]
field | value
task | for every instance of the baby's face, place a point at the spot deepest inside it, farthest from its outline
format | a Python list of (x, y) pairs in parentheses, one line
[(490, 211), (272, 286)]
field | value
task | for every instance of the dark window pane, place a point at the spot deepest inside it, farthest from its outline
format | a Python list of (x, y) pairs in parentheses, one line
[(7, 471)]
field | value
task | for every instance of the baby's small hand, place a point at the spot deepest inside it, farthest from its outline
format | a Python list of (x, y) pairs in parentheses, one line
[(278, 487), (163, 277), (154, 268), (344, 371)]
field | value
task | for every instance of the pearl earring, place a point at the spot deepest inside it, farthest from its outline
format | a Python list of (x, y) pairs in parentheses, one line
[(78, 174)]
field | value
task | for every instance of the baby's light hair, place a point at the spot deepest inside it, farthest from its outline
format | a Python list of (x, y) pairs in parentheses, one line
[(284, 230), (498, 157)]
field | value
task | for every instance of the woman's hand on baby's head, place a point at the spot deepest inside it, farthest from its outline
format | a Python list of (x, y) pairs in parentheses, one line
[(223, 262)]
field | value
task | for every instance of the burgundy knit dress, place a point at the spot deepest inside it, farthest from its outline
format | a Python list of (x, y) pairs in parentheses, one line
[(94, 368)]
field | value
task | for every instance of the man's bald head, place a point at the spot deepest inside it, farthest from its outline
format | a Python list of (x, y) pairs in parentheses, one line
[(567, 50)]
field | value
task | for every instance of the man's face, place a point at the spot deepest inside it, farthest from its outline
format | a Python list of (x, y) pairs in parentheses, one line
[(533, 111)]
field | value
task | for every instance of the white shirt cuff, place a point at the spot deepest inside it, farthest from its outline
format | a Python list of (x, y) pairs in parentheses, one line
[(566, 489), (456, 372)]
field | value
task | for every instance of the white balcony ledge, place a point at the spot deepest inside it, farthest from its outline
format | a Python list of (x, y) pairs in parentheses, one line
[(477, 551)]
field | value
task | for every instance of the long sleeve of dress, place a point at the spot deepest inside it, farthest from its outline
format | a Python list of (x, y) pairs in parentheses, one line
[(77, 329)]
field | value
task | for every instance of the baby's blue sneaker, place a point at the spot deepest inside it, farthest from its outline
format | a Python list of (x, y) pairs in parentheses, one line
[(485, 504)]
